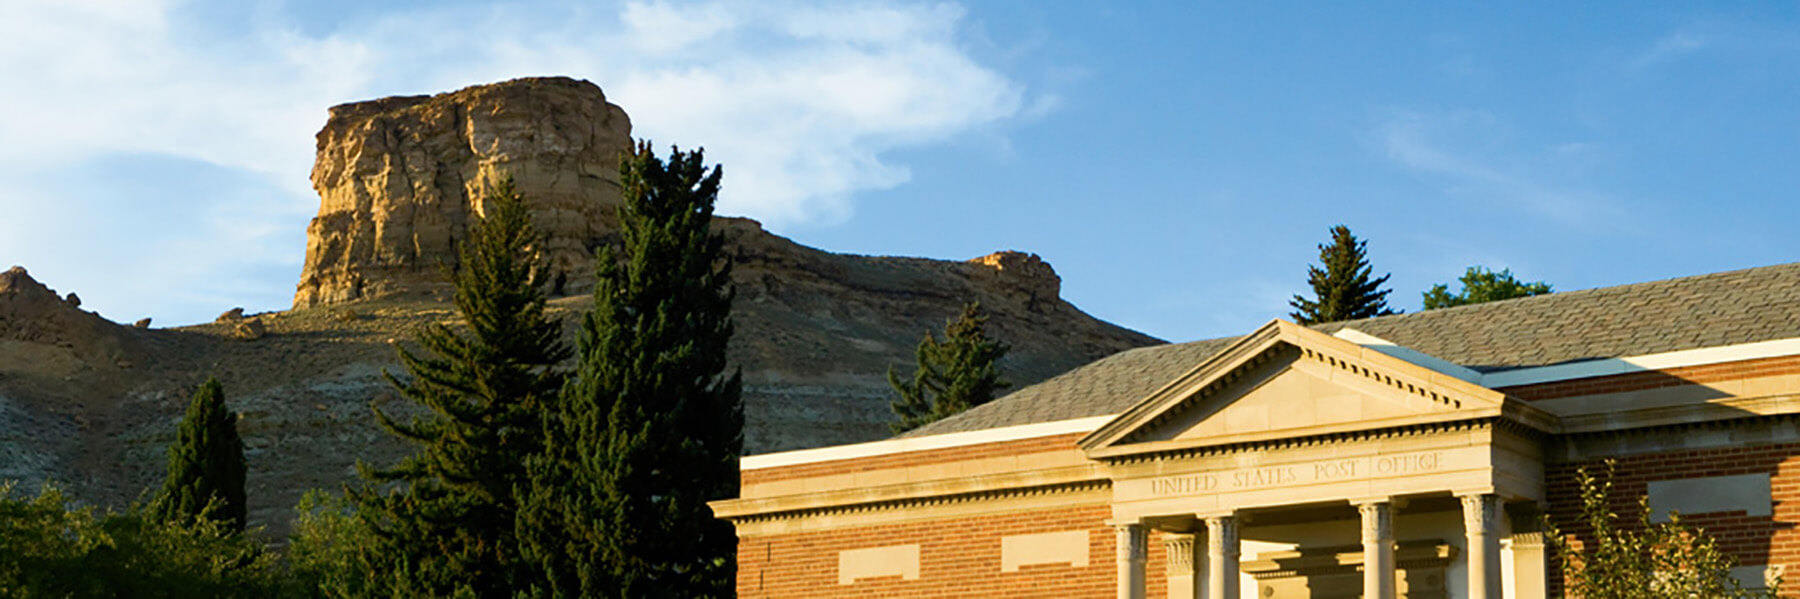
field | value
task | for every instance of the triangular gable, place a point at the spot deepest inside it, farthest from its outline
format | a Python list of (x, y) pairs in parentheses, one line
[(1286, 380)]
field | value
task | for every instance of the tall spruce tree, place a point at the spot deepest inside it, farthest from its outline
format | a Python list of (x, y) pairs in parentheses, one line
[(444, 516), (1480, 285), (206, 464), (1342, 289), (953, 375), (650, 427)]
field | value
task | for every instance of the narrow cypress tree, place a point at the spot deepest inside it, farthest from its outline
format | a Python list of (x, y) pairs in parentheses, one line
[(206, 464), (650, 428), (959, 373), (1343, 289), (447, 517)]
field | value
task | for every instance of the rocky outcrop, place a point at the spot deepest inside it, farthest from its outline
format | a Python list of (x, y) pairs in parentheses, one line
[(399, 178), (36, 324)]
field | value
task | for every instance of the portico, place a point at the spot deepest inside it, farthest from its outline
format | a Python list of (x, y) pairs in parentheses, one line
[(1327, 449)]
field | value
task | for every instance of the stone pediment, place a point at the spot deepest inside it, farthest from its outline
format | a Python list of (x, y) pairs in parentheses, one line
[(1286, 381)]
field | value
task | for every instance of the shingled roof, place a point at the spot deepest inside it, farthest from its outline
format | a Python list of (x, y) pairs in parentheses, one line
[(1727, 308)]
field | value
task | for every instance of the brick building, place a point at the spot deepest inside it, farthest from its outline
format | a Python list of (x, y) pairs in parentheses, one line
[(1403, 456)]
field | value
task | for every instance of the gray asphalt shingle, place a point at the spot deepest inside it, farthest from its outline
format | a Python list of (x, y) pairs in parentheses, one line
[(1727, 308)]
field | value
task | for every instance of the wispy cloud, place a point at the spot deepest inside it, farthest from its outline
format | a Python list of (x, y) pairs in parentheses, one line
[(1472, 155), (802, 101), (1669, 47)]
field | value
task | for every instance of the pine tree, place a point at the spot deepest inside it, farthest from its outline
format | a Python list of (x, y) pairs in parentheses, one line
[(650, 427), (959, 373), (1480, 285), (445, 515), (206, 464), (1342, 290)]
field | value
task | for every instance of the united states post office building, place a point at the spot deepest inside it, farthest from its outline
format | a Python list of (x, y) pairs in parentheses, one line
[(1404, 456)]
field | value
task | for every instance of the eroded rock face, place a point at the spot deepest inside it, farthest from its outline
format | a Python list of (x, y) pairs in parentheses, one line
[(399, 178), (34, 320), (817, 331)]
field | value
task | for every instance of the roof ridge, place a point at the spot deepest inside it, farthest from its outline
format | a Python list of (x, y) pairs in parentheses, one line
[(1571, 295)]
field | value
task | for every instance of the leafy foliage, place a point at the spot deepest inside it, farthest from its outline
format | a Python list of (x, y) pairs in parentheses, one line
[(206, 464), (959, 373), (1628, 560), (1481, 285), (49, 549), (649, 429), (1343, 288), (333, 553), (446, 515)]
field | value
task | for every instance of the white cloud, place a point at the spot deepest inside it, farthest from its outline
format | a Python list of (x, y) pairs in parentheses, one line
[(1669, 47), (1473, 155), (800, 101)]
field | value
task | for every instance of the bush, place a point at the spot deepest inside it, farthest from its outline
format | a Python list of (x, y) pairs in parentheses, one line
[(1642, 558), (50, 548), (332, 551)]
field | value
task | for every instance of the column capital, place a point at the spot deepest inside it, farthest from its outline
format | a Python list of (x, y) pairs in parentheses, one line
[(1222, 535), (1377, 521), (1179, 547), (1134, 539), (1481, 513)]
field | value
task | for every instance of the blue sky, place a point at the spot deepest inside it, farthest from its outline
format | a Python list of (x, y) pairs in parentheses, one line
[(1178, 163)]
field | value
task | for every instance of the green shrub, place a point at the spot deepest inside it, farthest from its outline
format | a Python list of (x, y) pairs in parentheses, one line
[(52, 549), (332, 551), (1627, 559)]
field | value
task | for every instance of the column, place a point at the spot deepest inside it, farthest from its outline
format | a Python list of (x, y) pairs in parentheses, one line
[(1221, 557), (1184, 562), (1481, 525), (1132, 548), (1378, 549)]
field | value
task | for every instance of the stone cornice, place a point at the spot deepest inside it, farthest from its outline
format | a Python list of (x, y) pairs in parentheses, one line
[(721, 511), (1306, 441), (913, 494)]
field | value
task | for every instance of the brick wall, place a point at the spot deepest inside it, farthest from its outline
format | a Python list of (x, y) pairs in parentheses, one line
[(957, 558), (1753, 540), (1638, 381)]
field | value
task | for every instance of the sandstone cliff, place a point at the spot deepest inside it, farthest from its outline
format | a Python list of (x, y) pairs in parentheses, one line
[(93, 404), (398, 179)]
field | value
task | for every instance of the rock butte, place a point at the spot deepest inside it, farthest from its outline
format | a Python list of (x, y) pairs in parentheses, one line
[(398, 179), (93, 404)]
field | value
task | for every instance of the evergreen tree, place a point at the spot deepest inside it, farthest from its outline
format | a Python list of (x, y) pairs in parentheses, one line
[(1342, 289), (1480, 285), (445, 515), (959, 373), (206, 464), (650, 427)]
